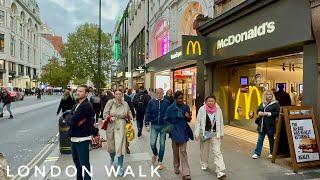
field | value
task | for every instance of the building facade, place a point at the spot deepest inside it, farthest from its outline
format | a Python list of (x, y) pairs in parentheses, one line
[(20, 43)]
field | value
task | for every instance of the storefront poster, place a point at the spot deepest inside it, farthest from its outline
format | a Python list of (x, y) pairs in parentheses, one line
[(304, 140)]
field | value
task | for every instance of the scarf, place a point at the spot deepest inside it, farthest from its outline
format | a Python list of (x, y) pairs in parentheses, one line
[(211, 110)]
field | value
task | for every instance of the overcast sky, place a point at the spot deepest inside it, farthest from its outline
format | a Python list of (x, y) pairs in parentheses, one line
[(63, 16)]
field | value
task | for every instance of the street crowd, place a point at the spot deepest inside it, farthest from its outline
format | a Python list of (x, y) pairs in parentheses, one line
[(161, 115)]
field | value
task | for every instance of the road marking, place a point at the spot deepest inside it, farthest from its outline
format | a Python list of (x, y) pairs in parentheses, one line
[(37, 158)]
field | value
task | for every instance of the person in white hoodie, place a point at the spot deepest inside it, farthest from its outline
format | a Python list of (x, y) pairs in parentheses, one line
[(209, 130)]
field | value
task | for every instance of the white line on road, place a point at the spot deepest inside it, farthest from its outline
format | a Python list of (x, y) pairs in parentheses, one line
[(29, 108)]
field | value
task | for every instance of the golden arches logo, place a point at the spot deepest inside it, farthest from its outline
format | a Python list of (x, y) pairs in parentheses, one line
[(194, 45), (247, 101)]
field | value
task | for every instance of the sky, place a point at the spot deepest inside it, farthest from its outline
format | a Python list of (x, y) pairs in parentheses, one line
[(63, 16)]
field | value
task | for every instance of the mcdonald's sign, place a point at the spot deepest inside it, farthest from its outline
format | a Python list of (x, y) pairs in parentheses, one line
[(194, 45), (247, 102)]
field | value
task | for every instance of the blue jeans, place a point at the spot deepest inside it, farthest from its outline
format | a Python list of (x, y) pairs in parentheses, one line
[(157, 130), (8, 108), (258, 149), (80, 155)]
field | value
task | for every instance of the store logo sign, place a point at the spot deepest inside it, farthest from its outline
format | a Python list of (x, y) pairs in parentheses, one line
[(194, 46), (256, 31), (176, 55)]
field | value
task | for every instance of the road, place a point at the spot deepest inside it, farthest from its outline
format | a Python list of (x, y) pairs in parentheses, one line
[(34, 125)]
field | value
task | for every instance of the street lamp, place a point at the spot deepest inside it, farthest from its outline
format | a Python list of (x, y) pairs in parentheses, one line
[(98, 85)]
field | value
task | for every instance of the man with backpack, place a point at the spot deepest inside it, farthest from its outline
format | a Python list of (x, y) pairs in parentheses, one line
[(140, 103), (6, 101)]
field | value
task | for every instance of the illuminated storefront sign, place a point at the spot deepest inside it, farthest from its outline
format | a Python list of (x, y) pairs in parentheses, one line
[(194, 46), (176, 55), (238, 110)]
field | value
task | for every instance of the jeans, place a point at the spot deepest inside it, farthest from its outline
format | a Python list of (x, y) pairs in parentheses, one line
[(258, 149), (80, 155), (140, 118), (157, 130), (8, 108)]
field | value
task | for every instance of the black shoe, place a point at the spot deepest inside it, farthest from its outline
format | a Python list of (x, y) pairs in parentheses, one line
[(1, 115), (11, 117), (139, 134), (128, 151)]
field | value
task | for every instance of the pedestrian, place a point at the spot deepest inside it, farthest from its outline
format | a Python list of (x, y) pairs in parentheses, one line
[(95, 101), (293, 97), (80, 131), (155, 113), (282, 96), (209, 130), (117, 113), (268, 112), (128, 100), (169, 96), (38, 93), (66, 103), (140, 103), (178, 114), (6, 102)]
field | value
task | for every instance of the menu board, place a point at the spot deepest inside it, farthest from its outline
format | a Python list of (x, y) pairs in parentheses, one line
[(304, 140)]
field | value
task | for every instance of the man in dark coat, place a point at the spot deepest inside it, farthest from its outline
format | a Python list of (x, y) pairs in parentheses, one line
[(80, 131), (282, 96), (140, 103)]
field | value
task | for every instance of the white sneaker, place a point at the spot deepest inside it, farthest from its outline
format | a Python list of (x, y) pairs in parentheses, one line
[(255, 156), (270, 156), (204, 167), (221, 175)]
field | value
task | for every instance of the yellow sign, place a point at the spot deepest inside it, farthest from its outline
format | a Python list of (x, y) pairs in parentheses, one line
[(194, 45), (247, 101)]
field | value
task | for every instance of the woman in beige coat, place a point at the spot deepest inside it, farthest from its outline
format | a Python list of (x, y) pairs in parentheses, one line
[(209, 130), (117, 112)]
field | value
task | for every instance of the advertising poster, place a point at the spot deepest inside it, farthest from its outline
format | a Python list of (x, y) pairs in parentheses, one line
[(304, 140)]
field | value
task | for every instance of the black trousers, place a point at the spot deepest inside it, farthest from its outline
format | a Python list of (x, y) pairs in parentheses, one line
[(80, 155)]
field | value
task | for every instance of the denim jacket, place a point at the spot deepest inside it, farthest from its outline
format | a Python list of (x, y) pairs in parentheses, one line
[(175, 115)]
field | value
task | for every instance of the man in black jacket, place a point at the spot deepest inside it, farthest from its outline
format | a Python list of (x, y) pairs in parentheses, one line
[(80, 131)]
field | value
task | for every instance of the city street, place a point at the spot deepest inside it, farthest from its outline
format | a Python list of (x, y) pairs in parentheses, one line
[(34, 125)]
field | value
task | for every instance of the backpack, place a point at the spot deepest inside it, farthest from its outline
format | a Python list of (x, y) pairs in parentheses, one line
[(140, 102)]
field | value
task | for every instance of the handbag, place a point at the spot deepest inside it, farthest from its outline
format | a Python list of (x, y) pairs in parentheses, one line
[(190, 133), (206, 136), (130, 131)]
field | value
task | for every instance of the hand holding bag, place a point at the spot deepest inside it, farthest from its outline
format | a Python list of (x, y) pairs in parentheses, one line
[(206, 136)]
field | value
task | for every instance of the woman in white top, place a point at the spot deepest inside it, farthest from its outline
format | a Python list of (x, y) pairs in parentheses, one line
[(209, 130)]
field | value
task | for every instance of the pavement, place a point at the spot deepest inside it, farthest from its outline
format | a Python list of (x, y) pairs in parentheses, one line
[(236, 149)]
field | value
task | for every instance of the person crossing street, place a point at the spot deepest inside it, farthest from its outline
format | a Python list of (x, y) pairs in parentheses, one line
[(6, 102)]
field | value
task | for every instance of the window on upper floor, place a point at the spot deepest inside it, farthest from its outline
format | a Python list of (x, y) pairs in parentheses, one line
[(222, 6), (2, 64), (11, 23), (2, 18), (21, 50), (1, 42), (2, 2), (13, 46), (28, 56), (34, 56)]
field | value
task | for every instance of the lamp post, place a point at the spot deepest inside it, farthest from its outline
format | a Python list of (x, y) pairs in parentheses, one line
[(99, 52)]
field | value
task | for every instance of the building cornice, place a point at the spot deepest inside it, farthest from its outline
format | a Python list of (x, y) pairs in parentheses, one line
[(29, 11), (314, 3)]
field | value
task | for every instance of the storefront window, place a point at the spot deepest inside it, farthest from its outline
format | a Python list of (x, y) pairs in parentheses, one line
[(248, 82), (185, 81), (12, 46), (2, 67), (2, 18)]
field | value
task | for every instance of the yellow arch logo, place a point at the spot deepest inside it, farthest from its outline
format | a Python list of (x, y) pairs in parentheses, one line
[(194, 46), (247, 98)]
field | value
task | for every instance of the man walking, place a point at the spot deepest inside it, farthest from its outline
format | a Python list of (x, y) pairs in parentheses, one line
[(81, 125), (6, 102), (140, 102), (155, 113)]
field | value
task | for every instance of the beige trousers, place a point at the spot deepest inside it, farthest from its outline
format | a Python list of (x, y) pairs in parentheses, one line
[(217, 155), (180, 156)]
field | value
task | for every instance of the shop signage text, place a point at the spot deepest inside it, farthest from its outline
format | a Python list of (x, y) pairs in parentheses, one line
[(176, 55), (256, 31)]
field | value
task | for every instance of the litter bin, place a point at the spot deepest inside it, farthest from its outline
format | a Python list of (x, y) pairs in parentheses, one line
[(64, 140)]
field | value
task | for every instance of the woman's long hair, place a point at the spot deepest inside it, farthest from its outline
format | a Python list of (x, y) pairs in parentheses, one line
[(66, 94), (264, 96)]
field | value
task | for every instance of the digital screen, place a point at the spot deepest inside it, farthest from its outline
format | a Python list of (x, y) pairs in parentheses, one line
[(284, 86), (244, 80)]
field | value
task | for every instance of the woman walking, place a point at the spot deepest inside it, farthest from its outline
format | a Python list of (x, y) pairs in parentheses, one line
[(209, 130), (66, 102), (178, 114), (117, 113), (268, 111)]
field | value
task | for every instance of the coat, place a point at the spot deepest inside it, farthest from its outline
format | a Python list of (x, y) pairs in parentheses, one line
[(266, 124), (201, 122), (176, 116), (66, 104), (156, 111), (116, 130)]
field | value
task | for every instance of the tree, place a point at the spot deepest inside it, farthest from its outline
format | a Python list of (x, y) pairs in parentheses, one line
[(80, 53), (55, 74)]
